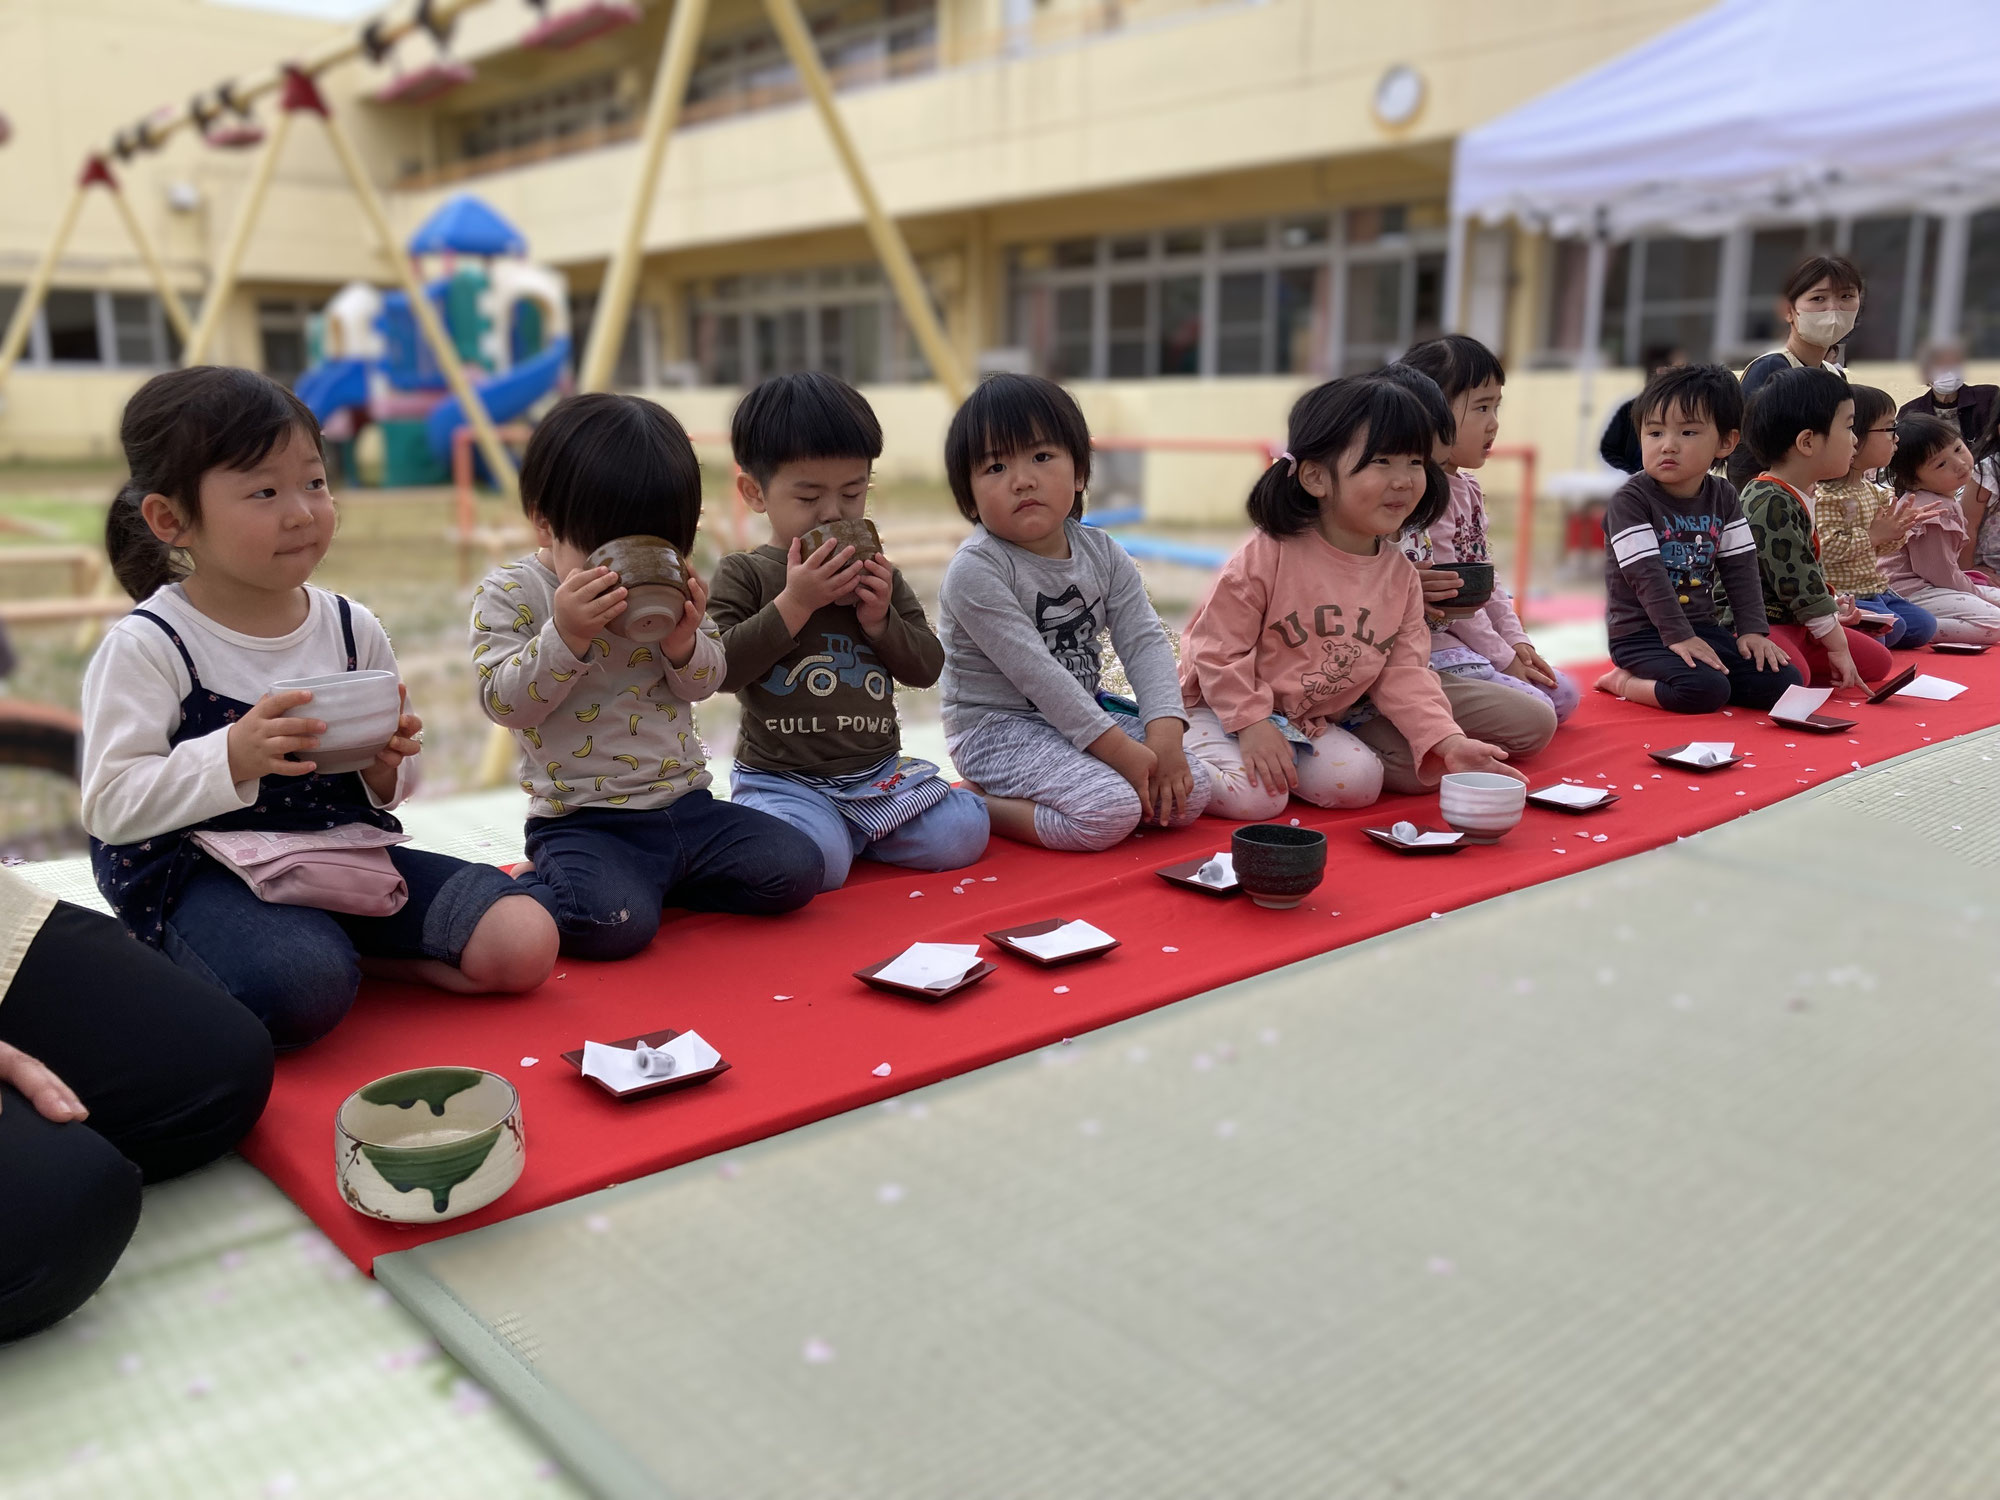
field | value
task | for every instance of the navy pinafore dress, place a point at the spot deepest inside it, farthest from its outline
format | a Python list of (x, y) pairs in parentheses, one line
[(142, 881)]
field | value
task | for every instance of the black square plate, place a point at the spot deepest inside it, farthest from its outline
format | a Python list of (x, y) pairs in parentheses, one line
[(1816, 724), (1006, 936), (659, 1086), (1607, 799), (1183, 874), (1667, 758), (1388, 840), (966, 980), (1893, 686), (1959, 648)]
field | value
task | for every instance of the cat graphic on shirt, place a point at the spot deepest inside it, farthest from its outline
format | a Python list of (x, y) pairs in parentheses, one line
[(1068, 623)]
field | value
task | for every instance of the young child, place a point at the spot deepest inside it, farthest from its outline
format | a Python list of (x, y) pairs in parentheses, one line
[(1672, 533), (1800, 425), (821, 750), (1471, 377), (1487, 703), (1317, 608), (181, 735), (1858, 519), (1019, 615), (620, 820), (1930, 466)]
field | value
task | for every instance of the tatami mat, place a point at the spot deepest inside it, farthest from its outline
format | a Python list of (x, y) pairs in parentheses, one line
[(1673, 1179), (236, 1353)]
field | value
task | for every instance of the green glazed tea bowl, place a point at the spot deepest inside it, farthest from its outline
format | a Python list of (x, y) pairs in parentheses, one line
[(428, 1145)]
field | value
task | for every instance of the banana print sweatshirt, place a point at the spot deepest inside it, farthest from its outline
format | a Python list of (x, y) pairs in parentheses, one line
[(612, 728)]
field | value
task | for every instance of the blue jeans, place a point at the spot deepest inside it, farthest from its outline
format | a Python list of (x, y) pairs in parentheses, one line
[(604, 873), (947, 836), (297, 967), (1915, 625)]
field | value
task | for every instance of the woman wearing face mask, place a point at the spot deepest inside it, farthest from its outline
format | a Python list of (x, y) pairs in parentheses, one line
[(1818, 302), (1969, 408)]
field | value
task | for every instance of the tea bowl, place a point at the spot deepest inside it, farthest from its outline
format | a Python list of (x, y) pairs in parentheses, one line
[(1482, 805), (1475, 586), (429, 1144), (1278, 865), (655, 581), (859, 534), (360, 711)]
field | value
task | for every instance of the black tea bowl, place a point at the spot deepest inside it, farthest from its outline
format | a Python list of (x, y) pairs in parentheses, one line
[(1475, 585), (1278, 865)]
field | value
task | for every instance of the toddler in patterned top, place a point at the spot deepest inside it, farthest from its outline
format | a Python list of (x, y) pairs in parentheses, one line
[(620, 821), (1471, 378)]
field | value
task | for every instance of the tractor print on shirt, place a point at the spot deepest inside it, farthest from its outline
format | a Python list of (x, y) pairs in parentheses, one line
[(1688, 545), (821, 673), (1068, 624)]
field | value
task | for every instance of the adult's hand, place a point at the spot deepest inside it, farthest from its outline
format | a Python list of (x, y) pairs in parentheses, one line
[(53, 1099)]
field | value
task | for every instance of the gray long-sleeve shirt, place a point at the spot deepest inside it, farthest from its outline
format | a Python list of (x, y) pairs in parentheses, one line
[(1020, 635)]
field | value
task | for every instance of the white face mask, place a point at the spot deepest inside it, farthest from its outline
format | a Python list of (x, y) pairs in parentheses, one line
[(1823, 328), (1948, 382)]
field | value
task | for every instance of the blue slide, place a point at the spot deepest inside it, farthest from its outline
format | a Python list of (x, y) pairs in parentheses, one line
[(506, 396), (333, 386)]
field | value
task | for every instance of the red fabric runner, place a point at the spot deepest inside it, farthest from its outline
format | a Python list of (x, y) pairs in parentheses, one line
[(776, 996)]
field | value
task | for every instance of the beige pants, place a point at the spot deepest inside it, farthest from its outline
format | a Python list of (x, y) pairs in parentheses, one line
[(1519, 723)]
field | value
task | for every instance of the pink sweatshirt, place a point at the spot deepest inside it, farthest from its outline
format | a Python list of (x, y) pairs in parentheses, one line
[(1460, 536), (1295, 626), (1929, 558)]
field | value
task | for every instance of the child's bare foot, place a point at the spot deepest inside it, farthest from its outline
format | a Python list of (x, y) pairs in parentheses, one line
[(972, 786), (1614, 682), (519, 868)]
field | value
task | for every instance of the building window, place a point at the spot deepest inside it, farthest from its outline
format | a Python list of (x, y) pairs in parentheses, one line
[(578, 112), (1307, 294), (1980, 318), (1897, 257), (860, 41), (281, 337), (70, 318), (99, 329), (1672, 293), (841, 319), (638, 363)]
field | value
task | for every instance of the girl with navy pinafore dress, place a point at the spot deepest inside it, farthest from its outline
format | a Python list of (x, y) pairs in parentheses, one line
[(225, 517)]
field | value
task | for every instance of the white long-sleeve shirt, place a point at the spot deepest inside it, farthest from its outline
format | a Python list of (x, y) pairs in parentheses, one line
[(136, 785), (613, 728)]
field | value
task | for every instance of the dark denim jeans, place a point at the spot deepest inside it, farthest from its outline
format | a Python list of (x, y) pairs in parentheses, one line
[(297, 967), (1915, 625), (604, 873)]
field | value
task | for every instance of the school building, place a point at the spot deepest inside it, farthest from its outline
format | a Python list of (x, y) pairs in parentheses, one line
[(1186, 209)]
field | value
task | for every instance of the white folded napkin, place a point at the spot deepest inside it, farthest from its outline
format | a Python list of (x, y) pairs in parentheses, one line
[(1071, 937), (931, 966), (626, 1068)]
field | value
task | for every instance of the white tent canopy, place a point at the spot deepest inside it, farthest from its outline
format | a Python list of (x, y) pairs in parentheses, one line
[(1794, 108), (1754, 109)]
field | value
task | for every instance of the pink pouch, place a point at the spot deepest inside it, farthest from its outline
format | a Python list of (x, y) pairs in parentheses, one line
[(345, 869)]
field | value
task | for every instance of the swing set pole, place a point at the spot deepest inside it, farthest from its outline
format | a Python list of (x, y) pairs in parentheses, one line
[(222, 286), (663, 113)]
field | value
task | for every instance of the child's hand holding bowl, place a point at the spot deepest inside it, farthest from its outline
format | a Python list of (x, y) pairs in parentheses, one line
[(678, 646), (587, 601)]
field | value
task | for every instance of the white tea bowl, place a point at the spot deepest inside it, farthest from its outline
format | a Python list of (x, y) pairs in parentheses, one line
[(1482, 805), (360, 711)]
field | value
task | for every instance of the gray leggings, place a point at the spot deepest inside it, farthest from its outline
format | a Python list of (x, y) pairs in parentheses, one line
[(1080, 802)]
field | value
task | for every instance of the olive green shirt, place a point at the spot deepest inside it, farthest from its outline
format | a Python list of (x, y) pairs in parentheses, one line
[(823, 702)]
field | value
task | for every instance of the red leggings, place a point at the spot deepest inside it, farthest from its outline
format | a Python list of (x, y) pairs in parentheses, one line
[(1871, 657)]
